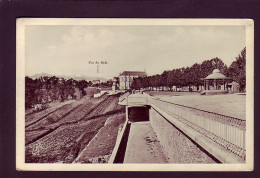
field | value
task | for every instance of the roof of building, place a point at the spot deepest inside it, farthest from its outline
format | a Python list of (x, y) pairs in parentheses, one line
[(216, 75), (136, 73)]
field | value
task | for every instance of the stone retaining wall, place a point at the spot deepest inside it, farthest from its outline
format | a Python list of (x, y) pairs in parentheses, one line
[(177, 146)]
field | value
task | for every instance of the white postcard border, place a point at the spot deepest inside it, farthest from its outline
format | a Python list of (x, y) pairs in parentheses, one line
[(20, 96)]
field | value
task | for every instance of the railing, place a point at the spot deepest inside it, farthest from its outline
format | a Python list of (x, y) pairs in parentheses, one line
[(124, 96), (229, 132)]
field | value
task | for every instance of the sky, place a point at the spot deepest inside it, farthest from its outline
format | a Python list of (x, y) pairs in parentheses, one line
[(68, 50)]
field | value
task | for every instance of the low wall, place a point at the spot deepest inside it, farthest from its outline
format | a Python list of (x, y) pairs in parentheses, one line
[(118, 153), (96, 95), (214, 92), (177, 146)]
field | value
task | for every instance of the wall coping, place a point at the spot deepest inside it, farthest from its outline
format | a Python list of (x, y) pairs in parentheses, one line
[(118, 142)]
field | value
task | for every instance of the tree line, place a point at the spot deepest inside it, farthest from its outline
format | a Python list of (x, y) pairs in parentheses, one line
[(47, 89), (191, 76)]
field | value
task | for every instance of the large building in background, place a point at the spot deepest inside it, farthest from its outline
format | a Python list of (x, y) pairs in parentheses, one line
[(126, 78)]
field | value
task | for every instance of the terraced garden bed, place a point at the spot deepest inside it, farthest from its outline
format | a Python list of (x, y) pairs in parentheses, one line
[(62, 135)]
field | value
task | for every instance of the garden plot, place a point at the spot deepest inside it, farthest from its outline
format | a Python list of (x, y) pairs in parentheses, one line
[(34, 117), (101, 146), (110, 104), (61, 138), (63, 144), (79, 113), (66, 114), (52, 117)]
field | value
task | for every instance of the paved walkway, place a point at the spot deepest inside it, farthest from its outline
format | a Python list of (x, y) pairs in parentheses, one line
[(143, 145), (229, 105)]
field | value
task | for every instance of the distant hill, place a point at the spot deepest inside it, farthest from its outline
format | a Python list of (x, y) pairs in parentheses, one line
[(82, 77), (39, 75)]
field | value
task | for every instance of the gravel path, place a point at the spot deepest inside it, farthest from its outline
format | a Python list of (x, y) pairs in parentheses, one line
[(230, 105)]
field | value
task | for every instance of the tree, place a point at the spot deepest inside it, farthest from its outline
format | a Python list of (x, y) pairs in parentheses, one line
[(30, 96), (163, 78), (45, 89), (170, 80), (196, 75), (237, 70), (137, 83), (82, 84)]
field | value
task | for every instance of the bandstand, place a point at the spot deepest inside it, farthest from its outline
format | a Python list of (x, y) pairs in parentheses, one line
[(215, 83)]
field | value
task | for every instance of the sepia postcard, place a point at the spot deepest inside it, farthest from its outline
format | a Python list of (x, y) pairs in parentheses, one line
[(134, 94)]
